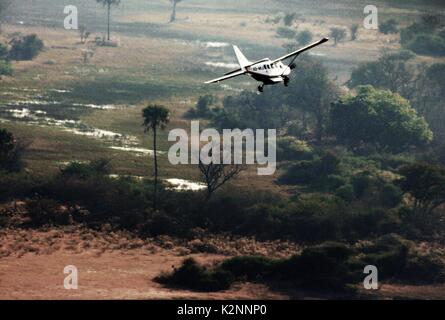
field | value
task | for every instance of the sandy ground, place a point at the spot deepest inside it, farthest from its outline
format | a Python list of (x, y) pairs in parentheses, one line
[(113, 275), (116, 264)]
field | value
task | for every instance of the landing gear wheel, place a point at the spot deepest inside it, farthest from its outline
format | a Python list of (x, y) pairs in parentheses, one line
[(286, 82), (261, 88)]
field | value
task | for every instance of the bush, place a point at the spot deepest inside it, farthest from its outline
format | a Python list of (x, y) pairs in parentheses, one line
[(346, 193), (11, 152), (390, 195), (252, 268), (323, 267), (289, 19), (362, 182), (46, 212), (304, 37), (3, 51), (283, 32), (290, 148), (18, 185), (311, 172), (86, 170), (25, 48), (192, 276), (427, 44), (389, 26), (202, 108), (398, 258), (317, 268), (5, 68)]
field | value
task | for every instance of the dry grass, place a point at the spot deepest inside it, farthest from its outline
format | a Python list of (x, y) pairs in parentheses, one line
[(76, 239)]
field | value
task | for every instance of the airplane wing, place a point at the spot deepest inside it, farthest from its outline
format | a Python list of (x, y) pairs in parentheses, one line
[(228, 76), (301, 50)]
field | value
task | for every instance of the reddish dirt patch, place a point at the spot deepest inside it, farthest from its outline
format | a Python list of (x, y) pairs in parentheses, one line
[(111, 275)]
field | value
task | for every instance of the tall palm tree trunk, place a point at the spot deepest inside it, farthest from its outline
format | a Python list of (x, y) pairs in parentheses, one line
[(108, 21), (156, 166), (173, 16)]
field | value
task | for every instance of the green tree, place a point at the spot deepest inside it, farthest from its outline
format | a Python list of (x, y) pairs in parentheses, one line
[(155, 116), (11, 152), (25, 48), (390, 71), (108, 4), (304, 37), (426, 184), (389, 26), (379, 118), (338, 34), (427, 44), (289, 19), (173, 15), (354, 31), (5, 68), (3, 51), (313, 92), (427, 95)]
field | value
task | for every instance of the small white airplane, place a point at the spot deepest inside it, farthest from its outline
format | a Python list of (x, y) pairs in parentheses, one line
[(265, 70)]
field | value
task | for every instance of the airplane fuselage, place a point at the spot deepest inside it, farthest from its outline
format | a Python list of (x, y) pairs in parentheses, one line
[(268, 72)]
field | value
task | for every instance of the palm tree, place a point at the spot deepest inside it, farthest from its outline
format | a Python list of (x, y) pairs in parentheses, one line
[(173, 15), (108, 4), (155, 116)]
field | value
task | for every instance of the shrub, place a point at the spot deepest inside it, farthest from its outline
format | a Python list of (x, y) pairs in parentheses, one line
[(317, 268), (390, 195), (304, 37), (362, 182), (46, 212), (252, 268), (202, 108), (397, 258), (323, 267), (290, 148), (346, 193), (86, 170), (289, 19), (283, 32), (311, 172), (11, 152), (25, 48), (427, 44), (191, 275), (389, 26), (18, 185), (5, 68), (3, 51)]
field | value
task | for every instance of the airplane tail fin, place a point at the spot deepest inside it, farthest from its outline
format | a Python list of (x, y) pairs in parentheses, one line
[(242, 60)]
